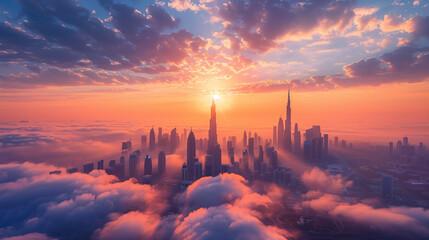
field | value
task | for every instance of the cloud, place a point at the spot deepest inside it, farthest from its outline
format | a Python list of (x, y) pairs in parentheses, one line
[(363, 68), (322, 180), (67, 35), (69, 206), (32, 236), (404, 222), (225, 222), (182, 5), (261, 25)]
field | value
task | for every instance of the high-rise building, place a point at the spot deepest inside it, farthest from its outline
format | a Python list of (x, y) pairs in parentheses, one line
[(184, 172), (191, 154), (134, 164), (313, 145), (208, 165), (280, 133), (336, 141), (87, 168), (119, 170), (148, 165), (325, 144), (245, 160), (387, 186), (398, 147), (100, 165), (244, 140), (251, 147), (143, 143), (297, 140), (405, 142), (159, 135), (152, 140), (230, 149), (127, 146), (198, 169), (161, 162), (213, 129), (173, 140), (275, 135), (112, 163), (217, 161), (287, 143), (274, 163)]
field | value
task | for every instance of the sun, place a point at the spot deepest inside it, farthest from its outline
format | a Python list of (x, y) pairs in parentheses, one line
[(216, 97)]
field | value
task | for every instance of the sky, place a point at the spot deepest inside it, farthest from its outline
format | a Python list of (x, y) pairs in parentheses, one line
[(354, 67)]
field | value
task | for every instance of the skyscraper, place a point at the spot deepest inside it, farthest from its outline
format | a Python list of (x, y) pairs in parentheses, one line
[(134, 164), (100, 165), (325, 144), (161, 162), (244, 140), (159, 135), (184, 172), (251, 147), (287, 143), (275, 135), (198, 169), (191, 153), (173, 140), (280, 134), (152, 140), (297, 140), (217, 161), (143, 142), (148, 165), (213, 128)]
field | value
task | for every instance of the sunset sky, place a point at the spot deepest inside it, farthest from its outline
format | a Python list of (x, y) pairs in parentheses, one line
[(354, 67)]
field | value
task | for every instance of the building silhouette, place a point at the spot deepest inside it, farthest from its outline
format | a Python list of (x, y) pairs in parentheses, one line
[(280, 132), (275, 135), (191, 154), (198, 169), (244, 140), (297, 140), (152, 140), (148, 165), (287, 143), (161, 162), (134, 164)]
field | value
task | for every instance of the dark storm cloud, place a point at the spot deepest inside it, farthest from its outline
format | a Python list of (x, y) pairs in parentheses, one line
[(64, 34), (261, 23)]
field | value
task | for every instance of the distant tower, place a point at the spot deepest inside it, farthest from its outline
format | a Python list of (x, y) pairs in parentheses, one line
[(405, 142), (152, 140), (159, 136), (274, 163), (161, 162), (280, 134), (251, 147), (244, 140), (275, 135), (173, 140), (213, 129), (217, 161), (134, 163), (148, 165), (198, 169), (325, 143), (287, 134), (297, 140), (184, 172), (191, 153), (143, 143), (100, 165)]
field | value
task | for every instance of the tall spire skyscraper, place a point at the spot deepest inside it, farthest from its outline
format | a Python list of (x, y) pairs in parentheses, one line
[(191, 153), (287, 143), (213, 128), (152, 140), (213, 147), (281, 133)]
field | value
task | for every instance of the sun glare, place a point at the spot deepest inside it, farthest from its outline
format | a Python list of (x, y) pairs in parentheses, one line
[(216, 97)]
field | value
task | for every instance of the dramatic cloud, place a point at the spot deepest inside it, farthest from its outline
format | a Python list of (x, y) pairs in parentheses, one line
[(262, 24), (64, 34), (70, 206), (225, 222)]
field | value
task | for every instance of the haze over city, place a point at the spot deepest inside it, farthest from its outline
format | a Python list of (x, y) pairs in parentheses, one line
[(214, 119)]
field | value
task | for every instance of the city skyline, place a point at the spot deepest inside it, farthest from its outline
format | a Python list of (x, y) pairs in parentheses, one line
[(214, 119)]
